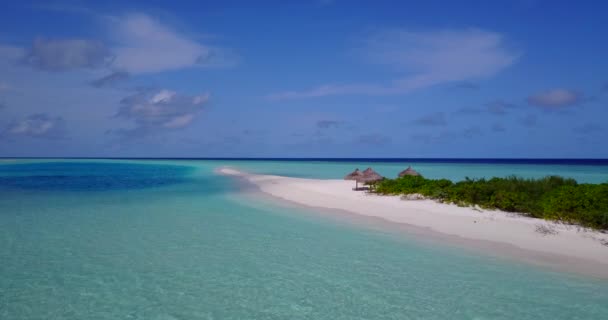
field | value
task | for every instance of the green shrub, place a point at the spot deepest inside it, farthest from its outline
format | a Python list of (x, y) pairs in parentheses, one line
[(586, 203), (552, 197)]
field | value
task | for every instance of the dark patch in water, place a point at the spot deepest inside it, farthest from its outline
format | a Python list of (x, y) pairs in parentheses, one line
[(93, 176)]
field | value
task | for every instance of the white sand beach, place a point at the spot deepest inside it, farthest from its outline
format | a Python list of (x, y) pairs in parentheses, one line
[(565, 247)]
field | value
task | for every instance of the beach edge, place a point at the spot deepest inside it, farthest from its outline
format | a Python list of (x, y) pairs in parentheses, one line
[(501, 234)]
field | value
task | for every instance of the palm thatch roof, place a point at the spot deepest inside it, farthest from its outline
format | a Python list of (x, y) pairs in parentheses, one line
[(355, 175), (369, 175), (409, 172)]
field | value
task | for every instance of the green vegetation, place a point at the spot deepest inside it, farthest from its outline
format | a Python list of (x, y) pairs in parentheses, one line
[(553, 198)]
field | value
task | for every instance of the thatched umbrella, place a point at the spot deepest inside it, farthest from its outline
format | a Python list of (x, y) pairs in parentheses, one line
[(355, 175), (409, 172), (370, 176)]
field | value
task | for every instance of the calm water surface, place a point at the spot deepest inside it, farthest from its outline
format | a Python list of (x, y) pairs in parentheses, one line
[(171, 240)]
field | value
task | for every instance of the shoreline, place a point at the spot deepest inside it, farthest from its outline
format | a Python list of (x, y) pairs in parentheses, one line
[(500, 234)]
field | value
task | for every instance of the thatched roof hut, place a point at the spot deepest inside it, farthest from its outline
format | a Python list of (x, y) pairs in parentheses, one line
[(371, 176), (409, 172), (355, 175)]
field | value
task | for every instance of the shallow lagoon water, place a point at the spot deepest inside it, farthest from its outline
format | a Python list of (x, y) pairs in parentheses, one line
[(454, 171), (172, 240)]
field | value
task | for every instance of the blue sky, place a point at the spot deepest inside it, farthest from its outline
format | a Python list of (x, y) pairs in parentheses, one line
[(304, 79)]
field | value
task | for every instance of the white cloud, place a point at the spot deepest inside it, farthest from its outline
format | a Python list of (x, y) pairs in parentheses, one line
[(332, 89), (179, 121), (110, 79), (67, 54), (163, 96), (555, 98), (144, 45), (429, 58), (136, 44), (37, 125), (200, 99), (161, 110)]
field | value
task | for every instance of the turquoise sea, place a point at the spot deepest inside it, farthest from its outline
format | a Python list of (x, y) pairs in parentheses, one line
[(170, 239)]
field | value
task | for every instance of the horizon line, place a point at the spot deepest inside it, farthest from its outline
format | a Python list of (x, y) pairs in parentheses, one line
[(312, 158)]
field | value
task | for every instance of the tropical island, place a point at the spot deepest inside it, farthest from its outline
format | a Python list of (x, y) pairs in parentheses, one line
[(551, 221), (552, 198)]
